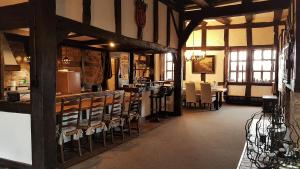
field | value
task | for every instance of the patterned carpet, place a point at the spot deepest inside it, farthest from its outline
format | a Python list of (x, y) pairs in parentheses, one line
[(197, 140)]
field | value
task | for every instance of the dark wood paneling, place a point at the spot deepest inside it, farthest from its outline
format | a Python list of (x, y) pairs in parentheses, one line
[(118, 17), (43, 51), (15, 16)]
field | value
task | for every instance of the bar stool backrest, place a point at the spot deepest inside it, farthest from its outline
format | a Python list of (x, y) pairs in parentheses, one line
[(117, 103), (97, 108), (70, 112)]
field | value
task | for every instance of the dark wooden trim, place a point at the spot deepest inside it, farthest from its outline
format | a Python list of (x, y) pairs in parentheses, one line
[(1, 70), (15, 107), (170, 4), (240, 26), (226, 52), (240, 9), (43, 51), (223, 20), (86, 12), (77, 27), (13, 164), (118, 16), (249, 58), (175, 24), (155, 21), (131, 70), (168, 26), (15, 16), (205, 48)]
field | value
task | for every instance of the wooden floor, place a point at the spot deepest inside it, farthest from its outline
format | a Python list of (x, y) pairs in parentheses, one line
[(199, 139)]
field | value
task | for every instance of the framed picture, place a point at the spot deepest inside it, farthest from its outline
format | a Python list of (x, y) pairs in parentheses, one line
[(206, 65)]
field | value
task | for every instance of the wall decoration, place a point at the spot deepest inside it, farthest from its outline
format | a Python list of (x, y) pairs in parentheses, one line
[(205, 65), (140, 16)]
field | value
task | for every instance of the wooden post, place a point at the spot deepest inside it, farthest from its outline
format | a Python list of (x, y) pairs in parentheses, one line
[(1, 70), (155, 20), (249, 59), (131, 63), (226, 43), (178, 69), (86, 12), (168, 26), (43, 84), (118, 16), (297, 83)]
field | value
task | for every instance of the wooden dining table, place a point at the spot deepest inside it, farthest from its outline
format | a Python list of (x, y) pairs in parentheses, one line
[(219, 95)]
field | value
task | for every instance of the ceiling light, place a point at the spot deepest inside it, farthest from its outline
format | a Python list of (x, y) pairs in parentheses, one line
[(112, 45)]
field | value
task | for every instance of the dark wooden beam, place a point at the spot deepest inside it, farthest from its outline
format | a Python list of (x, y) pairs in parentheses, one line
[(249, 59), (240, 9), (239, 26), (155, 21), (43, 84), (170, 4), (175, 24), (168, 26), (15, 16), (118, 16), (131, 71), (77, 27), (86, 12), (226, 53), (277, 16), (223, 20), (201, 3)]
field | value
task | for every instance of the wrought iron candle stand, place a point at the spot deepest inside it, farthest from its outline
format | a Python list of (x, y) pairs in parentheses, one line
[(271, 142)]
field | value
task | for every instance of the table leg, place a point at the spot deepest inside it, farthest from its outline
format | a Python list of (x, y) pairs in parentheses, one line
[(220, 99), (217, 101)]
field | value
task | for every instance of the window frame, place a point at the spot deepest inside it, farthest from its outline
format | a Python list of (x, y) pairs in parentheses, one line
[(273, 65), (238, 61), (166, 70)]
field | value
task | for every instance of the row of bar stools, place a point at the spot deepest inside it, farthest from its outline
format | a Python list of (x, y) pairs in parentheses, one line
[(157, 97)]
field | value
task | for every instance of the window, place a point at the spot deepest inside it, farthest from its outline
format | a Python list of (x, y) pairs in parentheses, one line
[(263, 61), (237, 65), (169, 67)]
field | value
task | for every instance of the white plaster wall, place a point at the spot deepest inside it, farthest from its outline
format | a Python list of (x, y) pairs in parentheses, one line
[(174, 37), (103, 15), (71, 9), (197, 35), (263, 36), (215, 37), (148, 30), (237, 37), (129, 27), (15, 141), (219, 69), (162, 23)]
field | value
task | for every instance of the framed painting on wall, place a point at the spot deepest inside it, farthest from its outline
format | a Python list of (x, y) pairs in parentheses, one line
[(205, 65)]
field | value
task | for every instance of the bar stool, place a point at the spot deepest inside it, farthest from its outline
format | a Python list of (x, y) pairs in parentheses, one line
[(168, 92), (157, 97)]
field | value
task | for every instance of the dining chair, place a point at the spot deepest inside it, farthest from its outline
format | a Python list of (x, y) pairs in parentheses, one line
[(115, 119), (190, 95), (133, 113), (206, 95), (95, 121), (68, 126)]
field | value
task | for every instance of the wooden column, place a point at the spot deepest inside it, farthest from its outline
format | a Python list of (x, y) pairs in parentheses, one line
[(226, 43), (178, 69), (168, 25), (152, 67), (155, 20), (1, 70), (203, 45), (131, 63), (118, 16), (249, 59), (43, 84), (297, 83), (86, 12)]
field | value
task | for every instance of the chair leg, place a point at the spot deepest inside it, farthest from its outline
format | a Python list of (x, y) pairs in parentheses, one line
[(122, 132), (112, 135), (129, 127), (62, 157), (104, 138), (91, 143), (79, 147)]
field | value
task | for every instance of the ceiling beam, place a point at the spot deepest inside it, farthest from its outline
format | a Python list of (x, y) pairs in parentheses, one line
[(240, 9), (277, 15), (201, 3), (223, 20)]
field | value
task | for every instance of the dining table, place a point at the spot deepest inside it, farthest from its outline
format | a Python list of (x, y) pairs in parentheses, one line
[(218, 91)]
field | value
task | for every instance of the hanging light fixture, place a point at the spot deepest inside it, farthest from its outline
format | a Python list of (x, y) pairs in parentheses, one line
[(194, 55), (271, 142), (65, 60)]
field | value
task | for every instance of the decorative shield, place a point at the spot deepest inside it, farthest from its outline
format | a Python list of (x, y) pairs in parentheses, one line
[(140, 16)]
